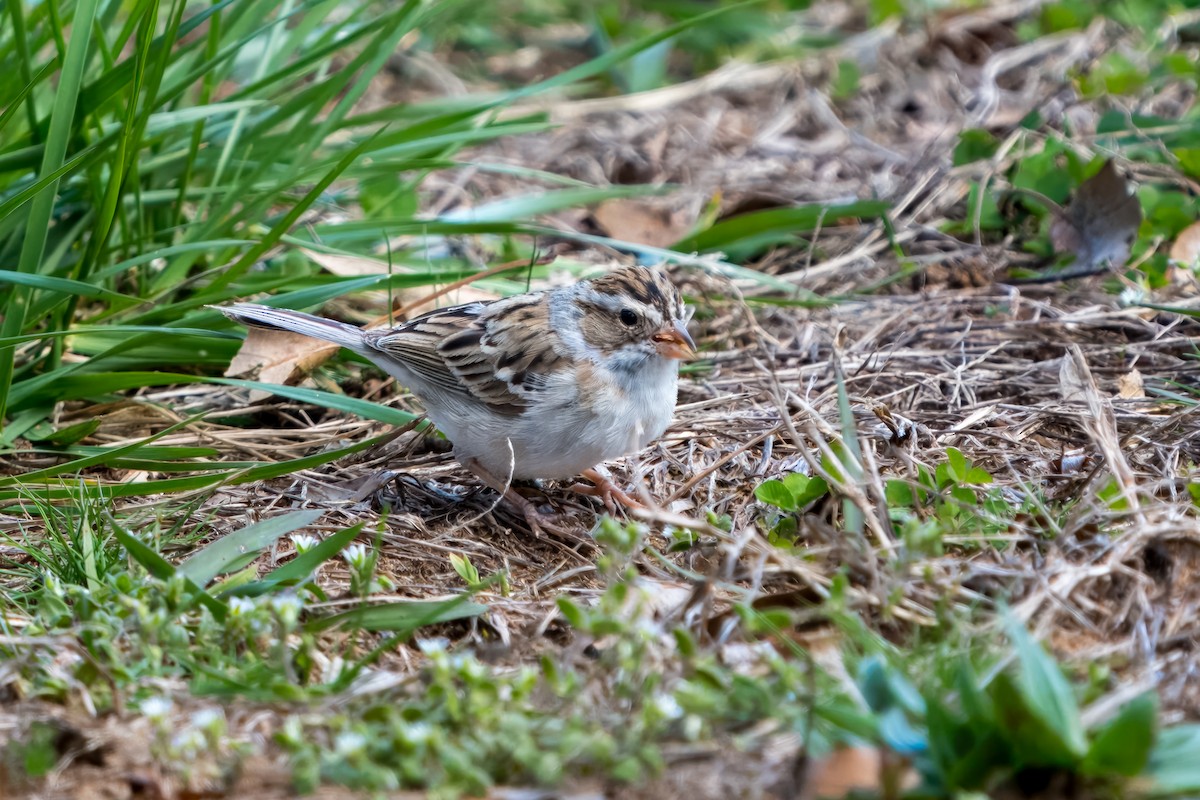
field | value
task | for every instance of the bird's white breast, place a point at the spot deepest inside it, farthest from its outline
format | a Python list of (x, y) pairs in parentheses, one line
[(562, 433)]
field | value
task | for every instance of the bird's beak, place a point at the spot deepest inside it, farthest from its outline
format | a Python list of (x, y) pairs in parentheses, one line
[(674, 342)]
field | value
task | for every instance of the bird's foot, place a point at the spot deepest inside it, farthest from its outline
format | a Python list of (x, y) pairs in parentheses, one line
[(603, 487), (539, 523)]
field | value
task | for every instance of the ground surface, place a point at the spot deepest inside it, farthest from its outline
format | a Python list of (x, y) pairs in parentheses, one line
[(1052, 389)]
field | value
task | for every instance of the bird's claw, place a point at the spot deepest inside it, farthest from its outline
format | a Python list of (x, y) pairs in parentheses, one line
[(609, 493)]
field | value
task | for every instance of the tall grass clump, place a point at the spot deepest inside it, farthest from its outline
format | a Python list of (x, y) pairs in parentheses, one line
[(159, 157)]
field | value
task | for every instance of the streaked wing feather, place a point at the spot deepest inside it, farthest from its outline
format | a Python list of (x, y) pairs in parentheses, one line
[(459, 349)]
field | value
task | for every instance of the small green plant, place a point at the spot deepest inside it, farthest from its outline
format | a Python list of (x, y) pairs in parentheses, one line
[(1020, 730), (948, 500), (474, 581), (788, 499)]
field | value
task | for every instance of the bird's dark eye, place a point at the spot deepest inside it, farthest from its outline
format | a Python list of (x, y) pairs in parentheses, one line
[(629, 317)]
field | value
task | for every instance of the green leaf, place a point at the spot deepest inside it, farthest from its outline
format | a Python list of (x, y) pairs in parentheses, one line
[(805, 489), (845, 80), (975, 144), (1189, 160), (571, 611), (899, 493), (1174, 768), (964, 495), (977, 476), (216, 557), (1045, 688), (465, 569), (404, 617), (1034, 742), (757, 230), (1123, 745), (68, 435), (776, 493), (957, 465), (1112, 496)]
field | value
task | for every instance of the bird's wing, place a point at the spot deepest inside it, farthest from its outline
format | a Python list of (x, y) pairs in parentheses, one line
[(498, 353)]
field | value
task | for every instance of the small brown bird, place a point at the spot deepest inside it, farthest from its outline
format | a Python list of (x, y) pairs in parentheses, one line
[(548, 384)]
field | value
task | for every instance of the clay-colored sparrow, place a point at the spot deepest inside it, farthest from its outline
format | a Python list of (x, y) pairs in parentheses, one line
[(548, 384)]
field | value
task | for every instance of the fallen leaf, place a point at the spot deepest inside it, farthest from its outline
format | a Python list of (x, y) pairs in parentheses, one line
[(352, 266), (640, 222), (1130, 386), (1073, 385), (852, 770), (278, 357), (413, 301), (1186, 250), (1099, 224), (416, 303)]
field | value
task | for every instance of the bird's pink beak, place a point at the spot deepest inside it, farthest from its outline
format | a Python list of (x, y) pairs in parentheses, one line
[(674, 342)]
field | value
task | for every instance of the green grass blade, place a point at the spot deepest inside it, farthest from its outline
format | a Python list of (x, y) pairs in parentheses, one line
[(235, 270), (402, 617), (756, 230), (162, 569), (42, 209), (64, 286), (19, 102), (302, 566), (213, 559), (62, 490), (91, 461)]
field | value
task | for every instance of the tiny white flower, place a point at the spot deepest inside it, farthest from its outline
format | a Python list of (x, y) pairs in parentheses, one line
[(433, 646), (356, 555), (304, 542), (668, 706), (188, 742), (1133, 295), (349, 743), (156, 708), (287, 604), (287, 607), (208, 717), (241, 606), (417, 733)]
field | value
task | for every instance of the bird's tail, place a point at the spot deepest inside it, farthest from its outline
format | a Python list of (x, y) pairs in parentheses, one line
[(281, 319)]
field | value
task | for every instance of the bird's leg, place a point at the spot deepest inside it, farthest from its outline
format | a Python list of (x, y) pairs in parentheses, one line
[(603, 487), (537, 521)]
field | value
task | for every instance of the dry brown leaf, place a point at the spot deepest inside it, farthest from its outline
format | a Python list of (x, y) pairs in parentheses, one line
[(412, 300), (1073, 385), (1186, 249), (278, 357), (352, 266), (1130, 386), (1099, 224), (851, 769), (640, 222)]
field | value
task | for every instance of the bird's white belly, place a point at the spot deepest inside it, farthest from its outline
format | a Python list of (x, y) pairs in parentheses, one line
[(562, 437)]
